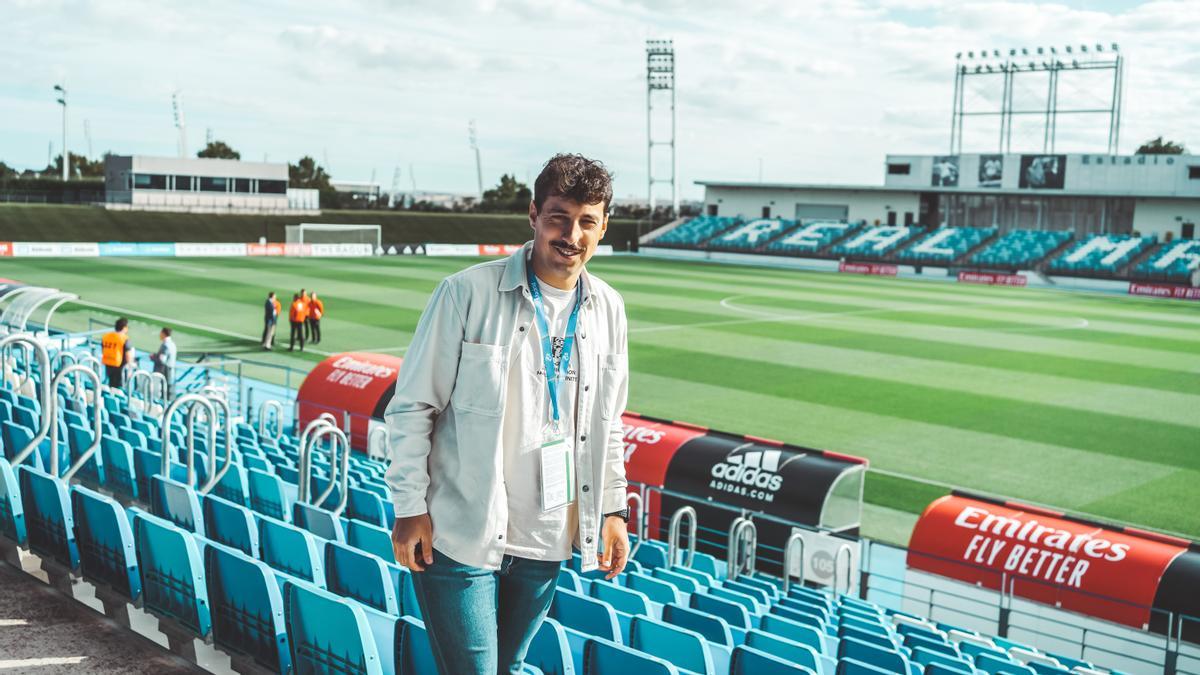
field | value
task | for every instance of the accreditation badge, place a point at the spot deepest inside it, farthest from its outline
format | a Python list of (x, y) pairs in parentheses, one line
[(557, 470)]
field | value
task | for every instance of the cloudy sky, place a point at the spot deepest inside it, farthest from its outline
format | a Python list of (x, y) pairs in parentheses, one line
[(811, 90)]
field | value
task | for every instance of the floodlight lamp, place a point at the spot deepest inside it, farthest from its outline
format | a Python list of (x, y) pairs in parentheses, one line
[(1099, 47), (1083, 48), (1074, 63), (979, 69), (996, 53), (970, 55), (1024, 51), (958, 55), (1053, 50), (1068, 48), (1040, 51), (1012, 52), (63, 101), (1114, 47), (58, 87)]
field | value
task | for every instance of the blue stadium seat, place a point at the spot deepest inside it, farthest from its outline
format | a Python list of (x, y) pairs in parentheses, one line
[(679, 646), (994, 664), (712, 627), (751, 661), (874, 655), (172, 572), (793, 630), (682, 582), (230, 524), (107, 554), (176, 502), (602, 657), (290, 549), (120, 476), (12, 512), (856, 667), (811, 237), (414, 653), (49, 522), (793, 652), (372, 539), (233, 486), (549, 650), (696, 231), (622, 599), (568, 579), (734, 614), (328, 634), (318, 521), (657, 590), (247, 608), (1020, 249), (361, 576), (586, 615), (924, 657), (268, 496), (367, 506)]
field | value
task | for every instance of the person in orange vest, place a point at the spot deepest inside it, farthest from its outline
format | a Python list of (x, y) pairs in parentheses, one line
[(305, 300), (297, 315), (116, 352), (270, 319), (316, 310)]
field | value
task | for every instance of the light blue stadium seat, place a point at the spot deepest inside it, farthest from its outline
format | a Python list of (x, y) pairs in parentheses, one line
[(795, 631), (328, 634), (318, 521), (943, 669), (585, 615), (994, 664), (177, 503), (247, 608), (290, 549), (230, 524), (889, 660), (602, 657), (657, 590), (367, 506), (364, 577), (372, 539), (682, 582), (172, 572), (626, 600), (733, 613), (120, 476), (927, 641), (681, 647), (12, 512), (712, 627), (107, 554), (549, 650), (568, 579), (855, 667), (268, 496), (789, 650), (850, 629), (49, 522), (651, 554), (751, 661), (414, 654), (924, 657), (233, 486)]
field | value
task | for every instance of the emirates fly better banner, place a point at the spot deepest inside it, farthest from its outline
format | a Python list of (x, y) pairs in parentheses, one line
[(1106, 573)]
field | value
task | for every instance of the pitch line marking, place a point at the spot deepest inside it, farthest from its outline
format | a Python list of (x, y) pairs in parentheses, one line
[(186, 324), (8, 623), (6, 664)]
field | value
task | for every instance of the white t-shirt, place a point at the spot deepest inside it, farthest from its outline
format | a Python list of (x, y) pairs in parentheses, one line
[(532, 533)]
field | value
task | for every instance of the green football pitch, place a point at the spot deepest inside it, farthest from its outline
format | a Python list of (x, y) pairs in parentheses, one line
[(1083, 402)]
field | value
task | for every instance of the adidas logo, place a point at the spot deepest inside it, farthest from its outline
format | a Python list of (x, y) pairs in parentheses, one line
[(751, 468)]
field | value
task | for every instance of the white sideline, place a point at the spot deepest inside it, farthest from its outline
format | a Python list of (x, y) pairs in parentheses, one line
[(46, 661), (7, 623), (186, 324)]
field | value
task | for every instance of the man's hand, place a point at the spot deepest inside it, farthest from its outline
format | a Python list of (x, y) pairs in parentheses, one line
[(615, 537), (406, 534)]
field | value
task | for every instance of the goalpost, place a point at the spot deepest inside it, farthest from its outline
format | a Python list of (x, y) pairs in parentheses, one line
[(322, 233)]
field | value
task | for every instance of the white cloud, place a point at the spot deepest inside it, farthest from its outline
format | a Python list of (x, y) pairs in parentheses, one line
[(819, 90)]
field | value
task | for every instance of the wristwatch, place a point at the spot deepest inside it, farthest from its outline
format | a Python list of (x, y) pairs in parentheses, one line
[(623, 514)]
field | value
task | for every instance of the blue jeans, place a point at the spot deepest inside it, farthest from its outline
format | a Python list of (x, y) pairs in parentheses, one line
[(482, 621)]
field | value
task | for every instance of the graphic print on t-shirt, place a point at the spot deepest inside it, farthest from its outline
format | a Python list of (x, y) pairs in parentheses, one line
[(558, 345)]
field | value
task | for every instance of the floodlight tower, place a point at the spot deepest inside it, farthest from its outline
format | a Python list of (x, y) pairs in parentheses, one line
[(87, 136), (62, 100), (478, 164), (660, 76), (180, 122)]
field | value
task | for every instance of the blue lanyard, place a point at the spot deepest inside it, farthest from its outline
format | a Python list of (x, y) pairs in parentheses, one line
[(553, 375)]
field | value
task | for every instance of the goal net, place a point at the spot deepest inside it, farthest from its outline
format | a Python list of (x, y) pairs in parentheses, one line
[(320, 233)]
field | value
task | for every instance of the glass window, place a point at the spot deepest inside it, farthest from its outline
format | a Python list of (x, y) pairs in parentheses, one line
[(149, 181), (208, 184), (1194, 172), (241, 185), (899, 169), (272, 187), (183, 183)]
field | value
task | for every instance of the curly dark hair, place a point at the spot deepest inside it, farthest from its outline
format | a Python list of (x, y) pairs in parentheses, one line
[(575, 177)]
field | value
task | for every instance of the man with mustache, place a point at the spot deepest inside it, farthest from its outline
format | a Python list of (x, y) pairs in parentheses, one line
[(505, 431)]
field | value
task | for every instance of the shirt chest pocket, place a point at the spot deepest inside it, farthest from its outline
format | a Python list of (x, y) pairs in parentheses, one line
[(480, 382), (613, 369)]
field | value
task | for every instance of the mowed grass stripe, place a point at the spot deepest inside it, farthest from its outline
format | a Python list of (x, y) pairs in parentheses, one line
[(1167, 444), (1047, 302), (652, 318), (1111, 399)]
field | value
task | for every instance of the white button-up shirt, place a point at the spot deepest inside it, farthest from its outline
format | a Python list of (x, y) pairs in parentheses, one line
[(445, 421)]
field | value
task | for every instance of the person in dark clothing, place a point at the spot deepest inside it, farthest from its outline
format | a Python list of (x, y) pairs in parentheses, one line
[(297, 315), (270, 319)]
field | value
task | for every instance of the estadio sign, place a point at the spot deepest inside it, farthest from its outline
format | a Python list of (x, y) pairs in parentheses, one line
[(1043, 556)]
